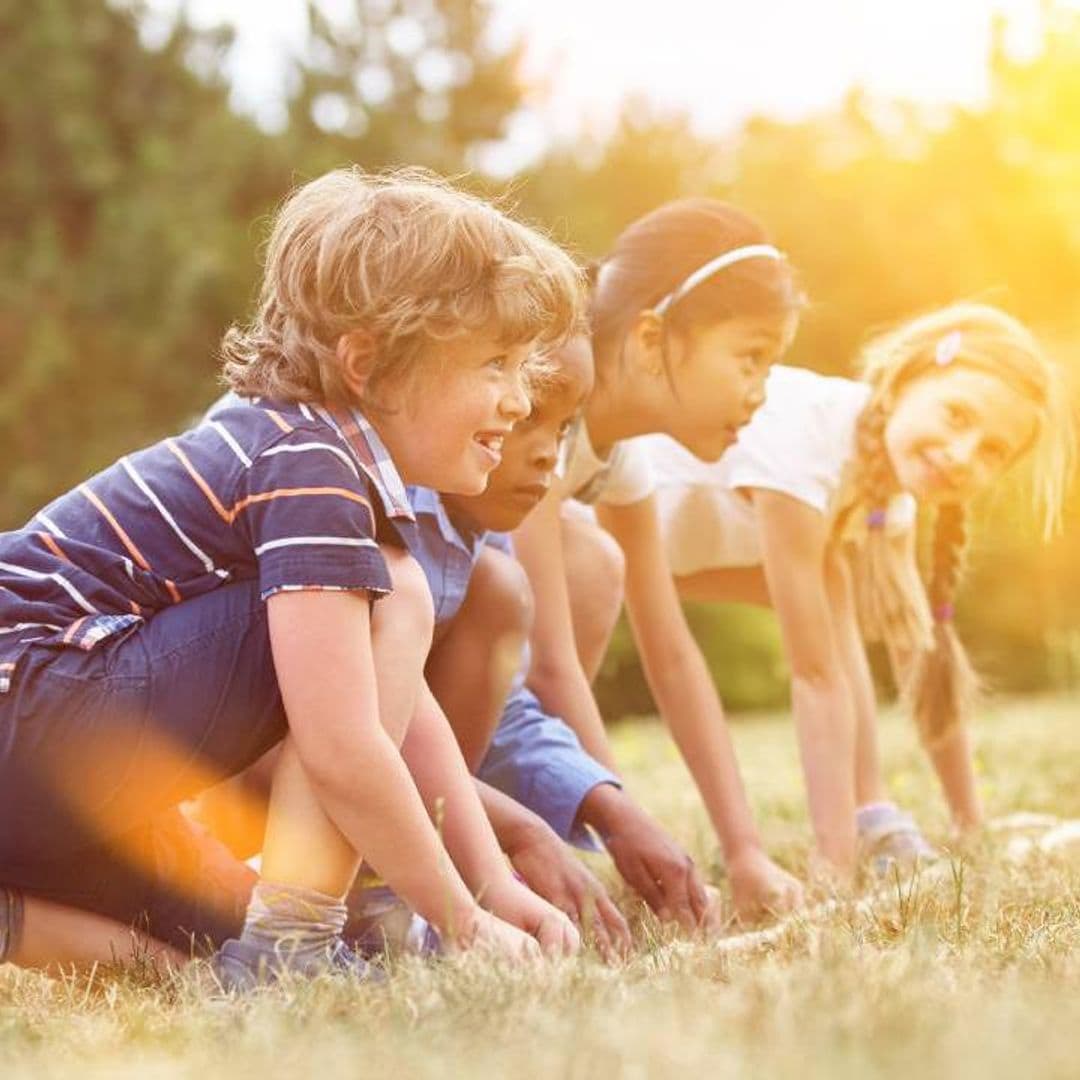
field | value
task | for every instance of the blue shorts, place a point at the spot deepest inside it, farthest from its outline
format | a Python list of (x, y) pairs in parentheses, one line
[(98, 748)]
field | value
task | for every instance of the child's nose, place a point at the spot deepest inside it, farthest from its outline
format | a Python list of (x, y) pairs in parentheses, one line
[(963, 449), (515, 404), (546, 452)]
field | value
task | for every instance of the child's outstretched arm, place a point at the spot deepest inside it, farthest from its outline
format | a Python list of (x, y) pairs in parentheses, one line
[(449, 791), (352, 762), (556, 674), (686, 697), (794, 540)]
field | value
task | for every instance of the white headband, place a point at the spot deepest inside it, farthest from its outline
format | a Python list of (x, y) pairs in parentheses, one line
[(714, 266)]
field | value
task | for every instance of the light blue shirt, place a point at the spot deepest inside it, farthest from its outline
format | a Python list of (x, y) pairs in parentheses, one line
[(534, 758)]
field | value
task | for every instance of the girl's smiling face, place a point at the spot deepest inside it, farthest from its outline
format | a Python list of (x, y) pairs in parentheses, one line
[(954, 430)]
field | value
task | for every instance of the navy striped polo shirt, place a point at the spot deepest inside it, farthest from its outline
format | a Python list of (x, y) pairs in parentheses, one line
[(295, 496)]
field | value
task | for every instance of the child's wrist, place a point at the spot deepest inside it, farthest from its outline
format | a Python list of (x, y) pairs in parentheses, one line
[(459, 923), (603, 808), (741, 850)]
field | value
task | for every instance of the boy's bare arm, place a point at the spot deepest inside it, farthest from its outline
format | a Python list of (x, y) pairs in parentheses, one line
[(551, 869), (448, 789), (356, 769)]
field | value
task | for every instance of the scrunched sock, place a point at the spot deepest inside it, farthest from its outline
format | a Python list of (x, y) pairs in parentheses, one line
[(11, 922), (293, 925)]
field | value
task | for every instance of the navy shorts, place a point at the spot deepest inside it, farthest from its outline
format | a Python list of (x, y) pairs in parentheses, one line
[(98, 748)]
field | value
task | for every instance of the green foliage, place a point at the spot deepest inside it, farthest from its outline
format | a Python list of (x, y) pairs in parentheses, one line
[(741, 645), (125, 250), (132, 198)]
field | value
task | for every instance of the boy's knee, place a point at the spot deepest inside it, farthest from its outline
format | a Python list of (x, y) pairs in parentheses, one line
[(500, 594), (410, 603)]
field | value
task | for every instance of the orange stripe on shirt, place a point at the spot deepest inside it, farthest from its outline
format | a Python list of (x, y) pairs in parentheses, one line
[(70, 632), (53, 546), (132, 550), (203, 486), (287, 493)]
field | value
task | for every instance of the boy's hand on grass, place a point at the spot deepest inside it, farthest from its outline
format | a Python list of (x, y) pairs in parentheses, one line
[(498, 938), (552, 871), (518, 905), (649, 860), (759, 887)]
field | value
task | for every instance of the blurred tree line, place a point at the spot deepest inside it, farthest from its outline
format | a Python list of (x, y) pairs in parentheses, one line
[(132, 201)]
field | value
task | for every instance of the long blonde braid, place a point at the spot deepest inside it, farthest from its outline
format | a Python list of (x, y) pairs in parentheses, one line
[(944, 685)]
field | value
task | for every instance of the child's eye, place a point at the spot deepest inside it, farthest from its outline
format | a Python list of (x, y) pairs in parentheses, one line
[(498, 363)]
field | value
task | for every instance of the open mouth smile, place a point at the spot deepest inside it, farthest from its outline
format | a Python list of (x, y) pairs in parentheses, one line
[(491, 443)]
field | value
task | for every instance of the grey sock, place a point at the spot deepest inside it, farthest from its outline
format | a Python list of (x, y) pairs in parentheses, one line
[(294, 924), (11, 922)]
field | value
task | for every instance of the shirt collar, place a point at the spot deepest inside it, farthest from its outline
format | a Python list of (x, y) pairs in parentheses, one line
[(372, 455), (428, 503)]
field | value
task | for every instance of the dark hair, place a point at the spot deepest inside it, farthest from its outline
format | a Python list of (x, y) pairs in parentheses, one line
[(653, 256)]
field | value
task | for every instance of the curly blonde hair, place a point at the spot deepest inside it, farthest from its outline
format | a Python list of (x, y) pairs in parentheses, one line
[(913, 619), (406, 257)]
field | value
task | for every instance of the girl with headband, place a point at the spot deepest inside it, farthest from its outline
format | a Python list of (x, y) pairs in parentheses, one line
[(688, 312), (814, 512)]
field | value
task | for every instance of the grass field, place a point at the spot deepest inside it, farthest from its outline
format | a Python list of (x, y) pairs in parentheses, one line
[(974, 975)]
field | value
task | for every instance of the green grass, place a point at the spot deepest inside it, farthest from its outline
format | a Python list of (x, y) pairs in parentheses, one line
[(972, 975)]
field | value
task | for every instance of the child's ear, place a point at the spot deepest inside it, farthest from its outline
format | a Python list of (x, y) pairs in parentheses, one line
[(356, 353), (647, 335)]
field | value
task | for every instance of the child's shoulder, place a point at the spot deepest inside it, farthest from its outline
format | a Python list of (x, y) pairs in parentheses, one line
[(308, 441), (796, 388), (253, 429)]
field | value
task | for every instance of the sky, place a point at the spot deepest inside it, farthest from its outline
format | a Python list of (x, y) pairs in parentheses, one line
[(718, 60)]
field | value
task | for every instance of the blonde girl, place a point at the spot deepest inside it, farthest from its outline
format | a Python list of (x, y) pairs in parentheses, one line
[(814, 512), (688, 312)]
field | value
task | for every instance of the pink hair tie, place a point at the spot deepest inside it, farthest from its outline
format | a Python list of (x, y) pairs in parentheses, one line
[(877, 518), (944, 613)]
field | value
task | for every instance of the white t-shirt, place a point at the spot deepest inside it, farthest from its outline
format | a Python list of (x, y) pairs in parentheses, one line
[(798, 443), (623, 477)]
